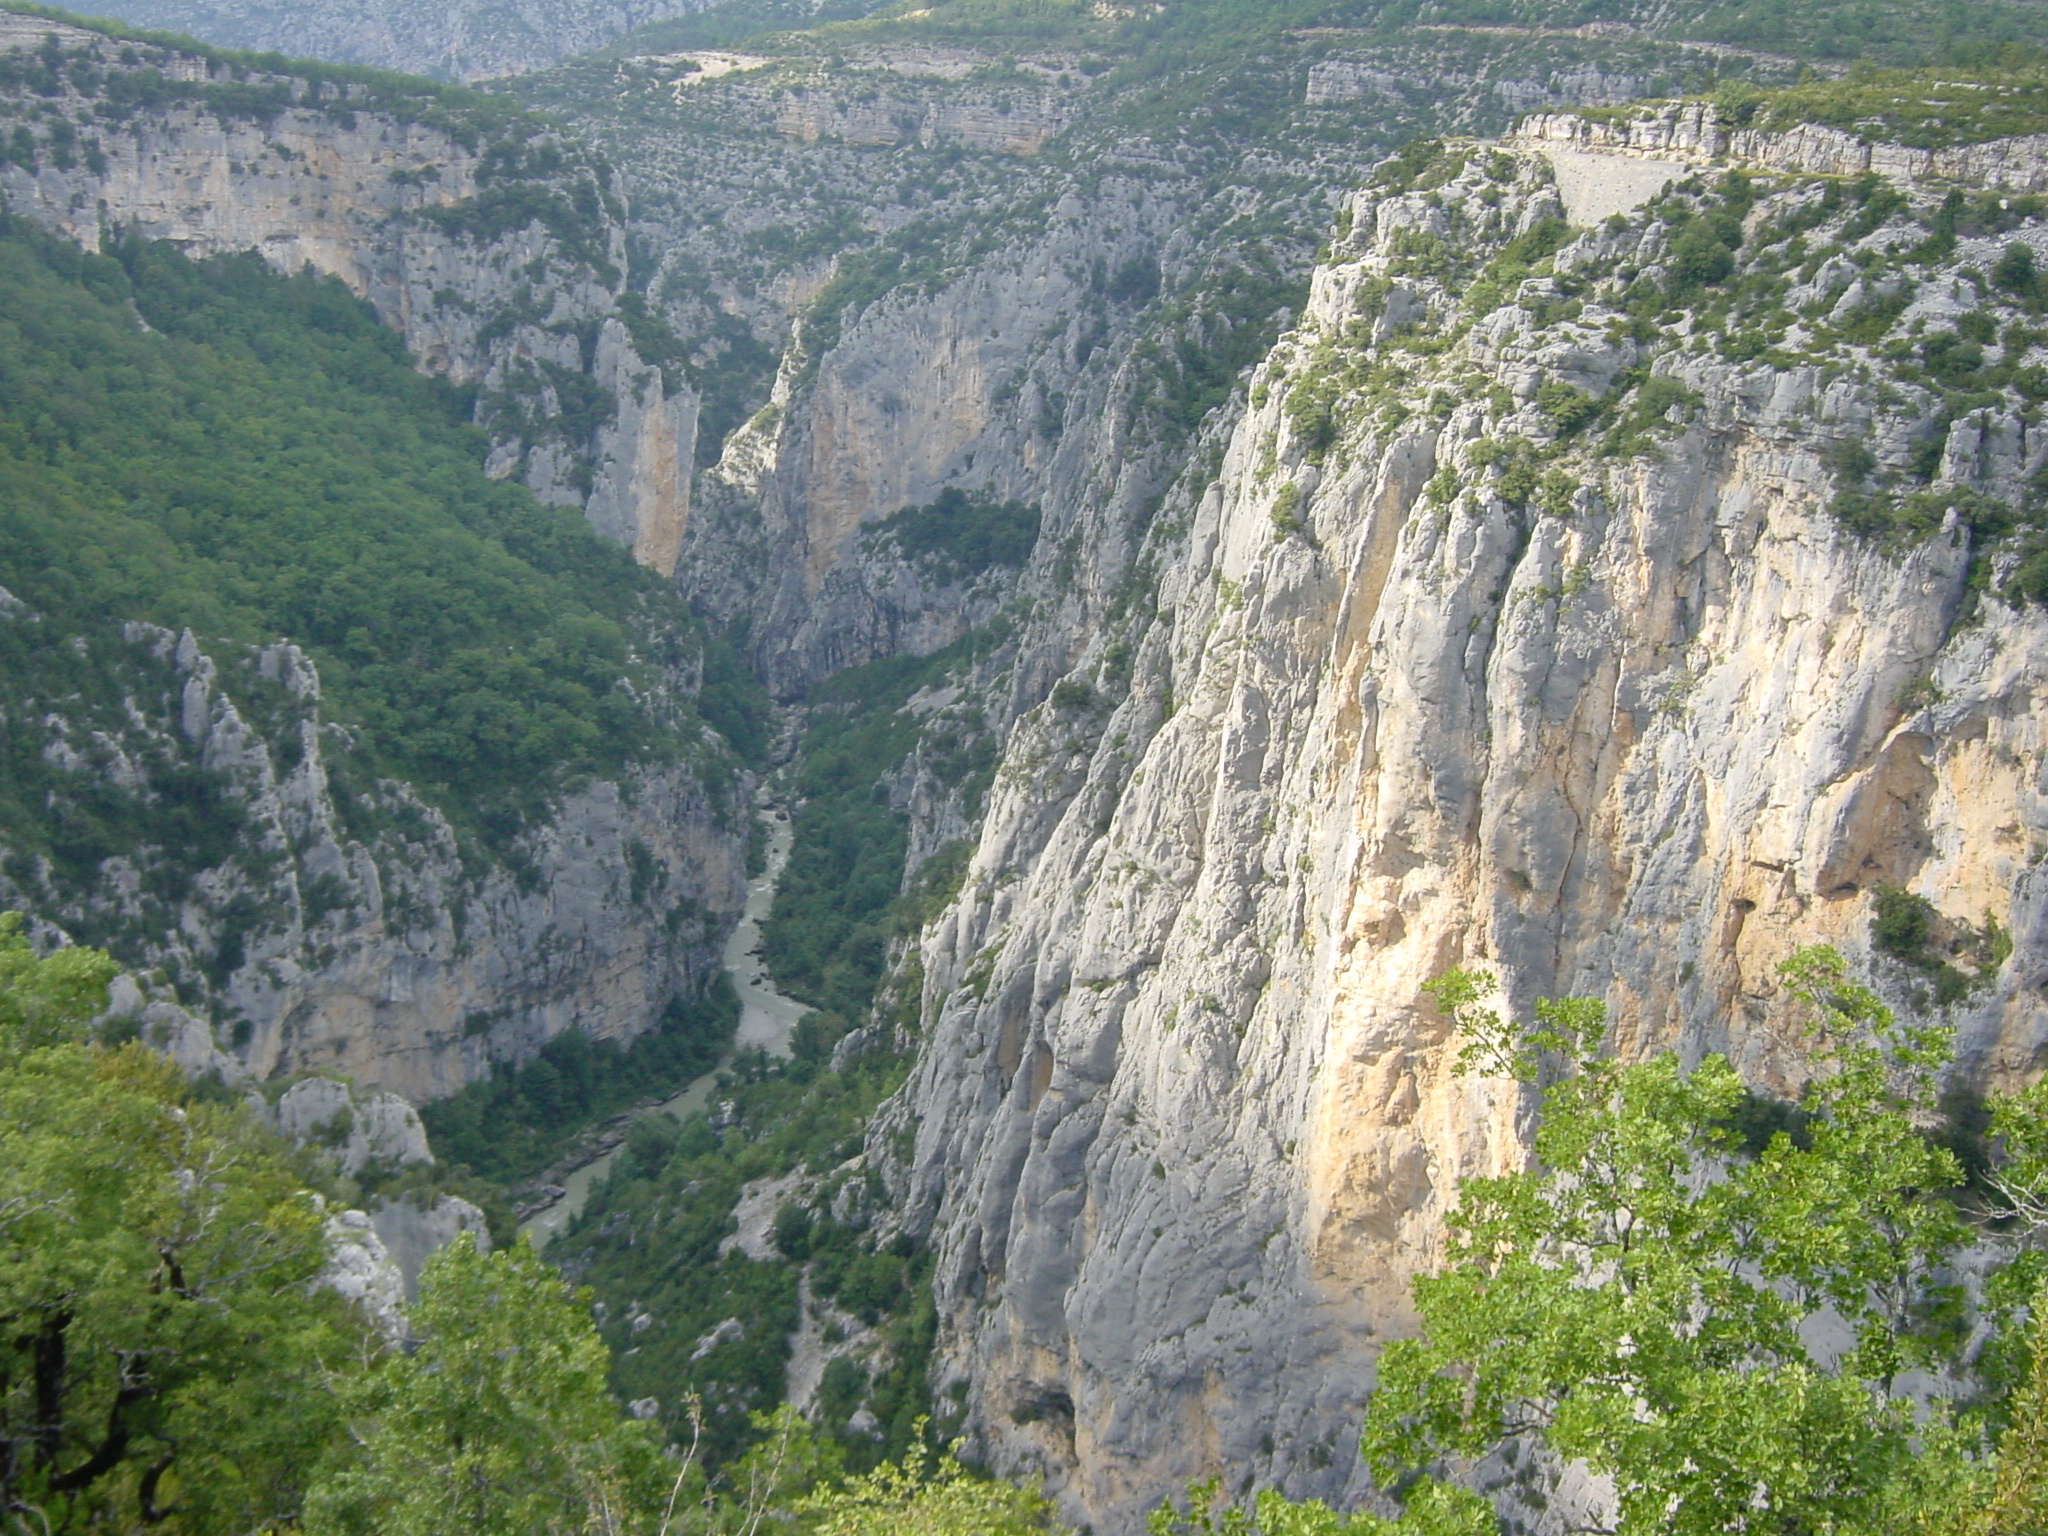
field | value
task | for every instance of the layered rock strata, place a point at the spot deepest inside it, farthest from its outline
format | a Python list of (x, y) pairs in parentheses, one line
[(1694, 133)]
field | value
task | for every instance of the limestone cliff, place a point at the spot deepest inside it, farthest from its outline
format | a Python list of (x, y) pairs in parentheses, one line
[(489, 243), (470, 40), (1544, 611), (908, 265), (355, 934)]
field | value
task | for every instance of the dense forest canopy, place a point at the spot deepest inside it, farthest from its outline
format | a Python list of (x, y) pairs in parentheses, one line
[(208, 445)]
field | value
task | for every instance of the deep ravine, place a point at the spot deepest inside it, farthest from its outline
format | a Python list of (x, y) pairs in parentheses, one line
[(767, 1019)]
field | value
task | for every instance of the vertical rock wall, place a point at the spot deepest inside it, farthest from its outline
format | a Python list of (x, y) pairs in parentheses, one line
[(1185, 1126), (365, 944)]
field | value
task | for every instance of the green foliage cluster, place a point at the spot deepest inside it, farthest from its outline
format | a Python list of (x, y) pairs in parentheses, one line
[(164, 1362), (1285, 515), (1649, 413), (1206, 337), (1520, 259), (260, 461), (910, 1498), (499, 1423), (959, 536), (1726, 293), (1523, 475), (649, 1242), (169, 1363), (1909, 929), (509, 1126), (1639, 1300), (1148, 43), (1421, 165), (169, 817), (573, 216), (936, 883), (732, 24), (1344, 380), (1925, 109), (734, 701), (1868, 505)]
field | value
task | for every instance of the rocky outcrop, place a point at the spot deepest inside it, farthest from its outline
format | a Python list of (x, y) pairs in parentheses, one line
[(488, 247), (1440, 672), (470, 40), (413, 1231), (1694, 133), (374, 1258), (353, 934), (360, 1269), (358, 1130)]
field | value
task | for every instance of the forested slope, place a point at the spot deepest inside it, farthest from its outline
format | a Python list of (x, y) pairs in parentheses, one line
[(285, 655)]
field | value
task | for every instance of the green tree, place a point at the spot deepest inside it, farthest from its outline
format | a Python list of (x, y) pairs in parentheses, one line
[(1650, 1300), (909, 1498), (1437, 1509), (162, 1357), (500, 1422)]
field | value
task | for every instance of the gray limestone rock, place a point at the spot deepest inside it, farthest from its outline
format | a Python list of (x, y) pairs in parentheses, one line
[(360, 1269), (358, 1129), (1185, 1125), (413, 1233)]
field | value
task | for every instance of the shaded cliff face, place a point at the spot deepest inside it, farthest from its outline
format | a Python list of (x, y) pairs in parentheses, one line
[(1540, 612), (488, 242), (353, 933)]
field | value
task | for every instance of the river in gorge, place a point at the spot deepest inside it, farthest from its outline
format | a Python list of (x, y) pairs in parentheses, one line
[(766, 1021)]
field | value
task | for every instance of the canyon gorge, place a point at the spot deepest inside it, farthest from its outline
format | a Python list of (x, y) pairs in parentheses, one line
[(1229, 540)]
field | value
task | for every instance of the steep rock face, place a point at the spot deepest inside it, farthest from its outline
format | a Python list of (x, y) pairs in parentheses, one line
[(495, 259), (1019, 277), (1504, 632), (472, 40), (976, 385), (356, 935), (375, 1256), (1693, 132)]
